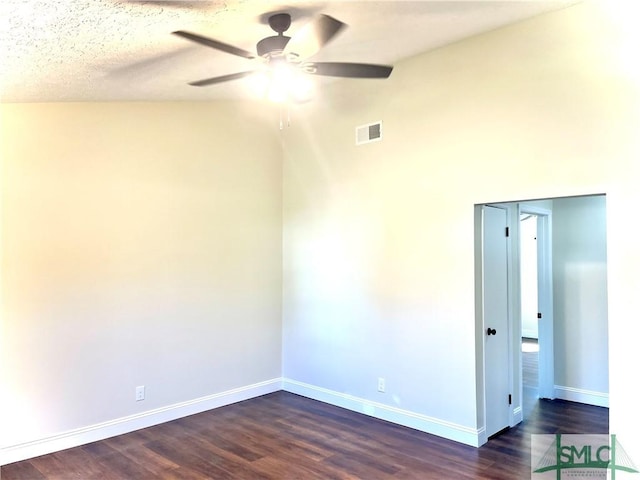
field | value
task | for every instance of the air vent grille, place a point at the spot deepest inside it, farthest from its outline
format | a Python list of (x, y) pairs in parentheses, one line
[(371, 132)]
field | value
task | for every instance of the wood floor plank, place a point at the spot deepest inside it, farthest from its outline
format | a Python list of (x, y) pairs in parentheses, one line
[(21, 471), (182, 473), (284, 468), (285, 436), (133, 447), (84, 465), (53, 468), (182, 456), (363, 466)]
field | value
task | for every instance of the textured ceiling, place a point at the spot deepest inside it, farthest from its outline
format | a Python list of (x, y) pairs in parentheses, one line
[(110, 50)]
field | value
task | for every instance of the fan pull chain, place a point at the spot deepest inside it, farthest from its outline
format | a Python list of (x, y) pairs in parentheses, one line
[(288, 117)]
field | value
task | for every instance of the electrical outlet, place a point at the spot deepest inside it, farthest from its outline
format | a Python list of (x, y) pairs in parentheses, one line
[(381, 385), (139, 393)]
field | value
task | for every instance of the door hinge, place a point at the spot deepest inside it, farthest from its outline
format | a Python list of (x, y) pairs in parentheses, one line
[(509, 399), (539, 315), (506, 232)]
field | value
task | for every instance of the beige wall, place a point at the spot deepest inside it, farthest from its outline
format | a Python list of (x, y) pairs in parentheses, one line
[(141, 245), (379, 239)]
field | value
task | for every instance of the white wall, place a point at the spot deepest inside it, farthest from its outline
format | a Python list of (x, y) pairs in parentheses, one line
[(379, 253), (141, 245), (580, 297)]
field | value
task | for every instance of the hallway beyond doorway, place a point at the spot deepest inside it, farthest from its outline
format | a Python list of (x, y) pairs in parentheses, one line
[(530, 354)]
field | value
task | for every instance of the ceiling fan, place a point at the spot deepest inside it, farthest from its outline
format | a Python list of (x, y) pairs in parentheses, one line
[(286, 56)]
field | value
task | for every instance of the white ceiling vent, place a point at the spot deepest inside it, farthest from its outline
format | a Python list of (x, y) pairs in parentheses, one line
[(371, 132)]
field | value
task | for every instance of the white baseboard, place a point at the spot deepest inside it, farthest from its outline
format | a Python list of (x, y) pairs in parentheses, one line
[(441, 428), (119, 426), (599, 399)]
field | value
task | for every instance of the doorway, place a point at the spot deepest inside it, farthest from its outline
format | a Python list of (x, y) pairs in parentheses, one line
[(575, 276), (529, 311), (535, 273)]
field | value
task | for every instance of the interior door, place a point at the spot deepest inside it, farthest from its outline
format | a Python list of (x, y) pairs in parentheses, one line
[(496, 318)]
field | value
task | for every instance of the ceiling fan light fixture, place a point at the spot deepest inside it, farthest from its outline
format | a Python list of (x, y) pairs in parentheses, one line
[(302, 88), (281, 79), (259, 84), (282, 83)]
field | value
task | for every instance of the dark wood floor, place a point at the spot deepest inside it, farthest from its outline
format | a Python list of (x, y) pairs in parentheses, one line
[(285, 436)]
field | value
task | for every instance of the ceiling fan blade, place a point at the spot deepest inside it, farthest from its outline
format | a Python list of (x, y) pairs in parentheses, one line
[(349, 70), (313, 36), (209, 42), (223, 78)]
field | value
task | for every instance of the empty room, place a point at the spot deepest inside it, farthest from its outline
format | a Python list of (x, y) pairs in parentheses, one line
[(205, 274)]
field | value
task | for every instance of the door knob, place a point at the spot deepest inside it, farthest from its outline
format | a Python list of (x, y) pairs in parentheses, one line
[(491, 331)]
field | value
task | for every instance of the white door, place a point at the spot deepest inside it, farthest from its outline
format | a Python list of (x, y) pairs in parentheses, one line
[(496, 319)]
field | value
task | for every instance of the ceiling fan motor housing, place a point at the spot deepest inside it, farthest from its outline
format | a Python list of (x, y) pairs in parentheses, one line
[(280, 22), (272, 45)]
